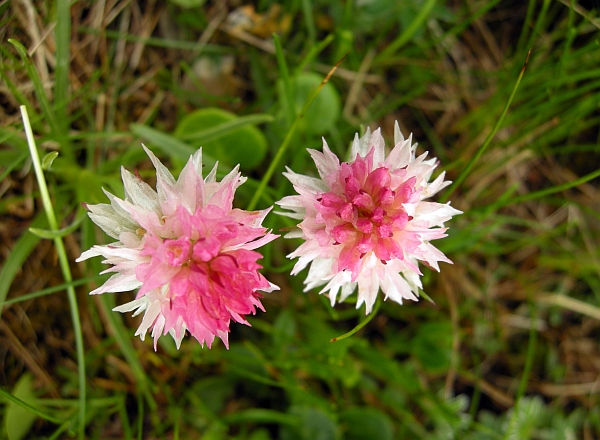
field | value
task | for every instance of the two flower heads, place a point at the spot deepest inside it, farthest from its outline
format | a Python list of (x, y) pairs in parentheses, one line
[(365, 225)]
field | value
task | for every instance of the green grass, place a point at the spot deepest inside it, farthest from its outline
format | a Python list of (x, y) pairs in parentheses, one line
[(506, 349)]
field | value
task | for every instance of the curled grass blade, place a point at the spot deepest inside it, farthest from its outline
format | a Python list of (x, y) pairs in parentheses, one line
[(52, 234)]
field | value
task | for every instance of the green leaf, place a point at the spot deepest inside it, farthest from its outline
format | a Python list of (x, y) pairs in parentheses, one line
[(366, 423), (432, 345), (225, 137), (225, 128), (48, 159), (169, 144), (213, 391), (260, 415), (18, 419), (260, 434), (314, 425)]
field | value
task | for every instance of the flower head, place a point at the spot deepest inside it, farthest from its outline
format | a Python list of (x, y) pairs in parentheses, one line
[(366, 222), (190, 253)]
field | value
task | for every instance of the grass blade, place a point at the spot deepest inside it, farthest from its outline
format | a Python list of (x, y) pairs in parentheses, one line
[(408, 33), (48, 113), (463, 175), (61, 74), (286, 141), (19, 253), (33, 409), (65, 268), (227, 127), (284, 74), (169, 144)]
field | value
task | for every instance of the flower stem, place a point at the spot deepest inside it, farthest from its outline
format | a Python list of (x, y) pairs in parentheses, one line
[(286, 141), (64, 266), (361, 324)]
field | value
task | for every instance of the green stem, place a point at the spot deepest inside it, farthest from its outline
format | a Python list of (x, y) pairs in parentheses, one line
[(361, 324), (526, 371), (64, 265), (463, 175), (506, 201), (408, 33), (286, 141)]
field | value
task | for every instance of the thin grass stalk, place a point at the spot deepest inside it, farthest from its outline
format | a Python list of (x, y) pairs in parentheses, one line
[(124, 343), (531, 346), (49, 290), (66, 270), (360, 324), (47, 111), (61, 74), (539, 23), (307, 10), (408, 33), (463, 175), (464, 22), (140, 420), (285, 78), (524, 30), (286, 141)]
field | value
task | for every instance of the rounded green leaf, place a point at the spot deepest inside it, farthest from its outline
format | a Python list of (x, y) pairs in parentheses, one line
[(245, 145), (17, 419), (325, 109)]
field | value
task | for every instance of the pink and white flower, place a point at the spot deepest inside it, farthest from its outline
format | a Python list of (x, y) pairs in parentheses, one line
[(190, 253), (365, 222)]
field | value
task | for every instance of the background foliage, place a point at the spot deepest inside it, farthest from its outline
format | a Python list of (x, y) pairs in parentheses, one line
[(508, 349)]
